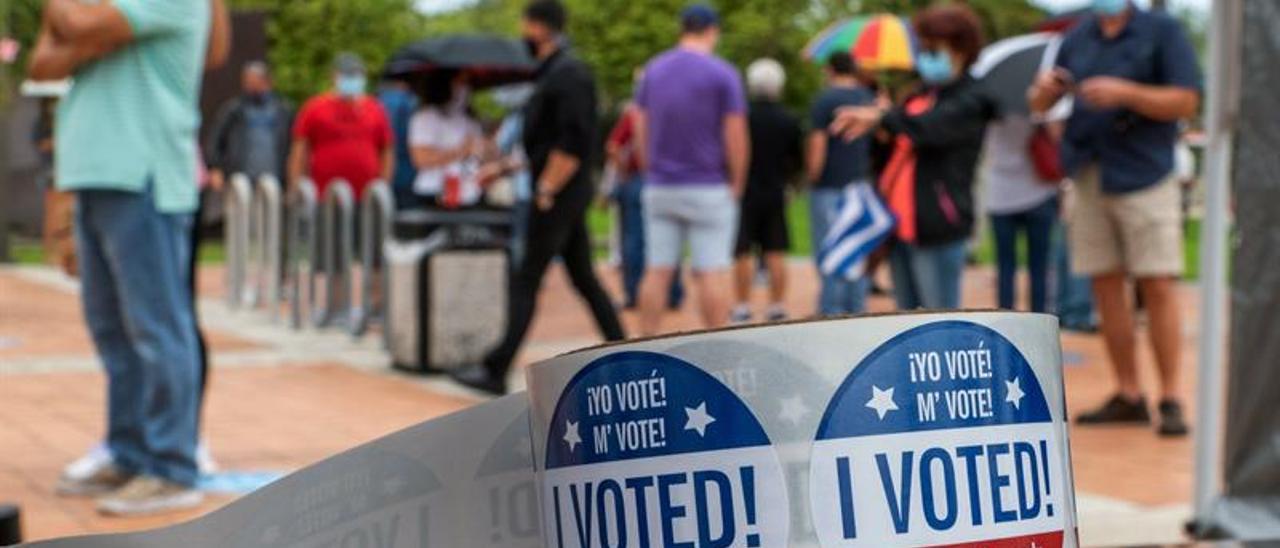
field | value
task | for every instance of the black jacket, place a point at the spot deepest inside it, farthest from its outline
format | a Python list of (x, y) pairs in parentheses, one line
[(561, 115), (948, 141)]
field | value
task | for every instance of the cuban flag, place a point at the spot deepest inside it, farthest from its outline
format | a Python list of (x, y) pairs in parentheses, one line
[(860, 226)]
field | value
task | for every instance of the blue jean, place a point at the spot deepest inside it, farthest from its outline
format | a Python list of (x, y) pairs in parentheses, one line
[(1074, 295), (137, 304), (630, 196), (1037, 223), (927, 276), (838, 294)]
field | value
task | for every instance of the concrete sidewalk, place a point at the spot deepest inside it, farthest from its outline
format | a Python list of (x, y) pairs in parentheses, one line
[(281, 399)]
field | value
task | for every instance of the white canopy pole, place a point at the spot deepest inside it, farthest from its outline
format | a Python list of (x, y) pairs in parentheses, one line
[(1220, 114)]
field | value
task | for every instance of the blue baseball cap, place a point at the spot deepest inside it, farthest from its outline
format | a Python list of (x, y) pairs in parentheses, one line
[(698, 17)]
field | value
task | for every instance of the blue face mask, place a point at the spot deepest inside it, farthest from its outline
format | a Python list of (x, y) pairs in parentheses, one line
[(934, 67), (1110, 7), (350, 86)]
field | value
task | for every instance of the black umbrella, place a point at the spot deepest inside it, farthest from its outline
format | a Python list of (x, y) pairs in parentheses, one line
[(1008, 67), (488, 60)]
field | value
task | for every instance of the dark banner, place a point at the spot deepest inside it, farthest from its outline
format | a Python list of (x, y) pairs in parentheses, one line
[(1250, 506)]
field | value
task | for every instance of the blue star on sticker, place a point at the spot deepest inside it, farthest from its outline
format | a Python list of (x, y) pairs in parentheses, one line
[(882, 401)]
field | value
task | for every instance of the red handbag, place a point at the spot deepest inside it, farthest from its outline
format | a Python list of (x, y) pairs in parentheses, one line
[(1045, 158)]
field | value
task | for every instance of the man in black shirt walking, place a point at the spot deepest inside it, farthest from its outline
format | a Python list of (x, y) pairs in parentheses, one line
[(559, 131)]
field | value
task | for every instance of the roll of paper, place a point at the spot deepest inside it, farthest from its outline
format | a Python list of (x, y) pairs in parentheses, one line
[(896, 430), (465, 479)]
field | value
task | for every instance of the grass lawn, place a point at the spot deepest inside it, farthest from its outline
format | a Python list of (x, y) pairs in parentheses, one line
[(26, 251), (600, 222)]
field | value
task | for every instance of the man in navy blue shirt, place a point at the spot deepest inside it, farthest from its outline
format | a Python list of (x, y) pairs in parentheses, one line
[(1134, 76), (832, 163)]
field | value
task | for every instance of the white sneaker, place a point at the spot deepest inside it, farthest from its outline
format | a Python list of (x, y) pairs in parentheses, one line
[(740, 314), (776, 313), (105, 479), (204, 460), (145, 495), (99, 457), (89, 465)]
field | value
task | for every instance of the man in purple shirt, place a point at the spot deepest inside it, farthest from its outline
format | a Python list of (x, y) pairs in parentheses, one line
[(691, 121)]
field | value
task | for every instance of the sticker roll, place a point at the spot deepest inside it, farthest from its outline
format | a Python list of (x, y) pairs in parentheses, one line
[(921, 429), (465, 479)]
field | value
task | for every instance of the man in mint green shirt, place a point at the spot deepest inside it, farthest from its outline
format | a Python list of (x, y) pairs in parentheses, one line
[(126, 145)]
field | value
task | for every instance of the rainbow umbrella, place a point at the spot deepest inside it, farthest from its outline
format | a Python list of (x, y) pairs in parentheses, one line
[(886, 42), (838, 36), (878, 42)]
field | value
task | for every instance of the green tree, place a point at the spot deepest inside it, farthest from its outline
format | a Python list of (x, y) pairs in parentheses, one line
[(1000, 18), (306, 35), (19, 19), (617, 36)]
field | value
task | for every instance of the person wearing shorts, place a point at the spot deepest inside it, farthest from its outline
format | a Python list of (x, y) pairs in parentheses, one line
[(762, 224), (691, 121), (1134, 76)]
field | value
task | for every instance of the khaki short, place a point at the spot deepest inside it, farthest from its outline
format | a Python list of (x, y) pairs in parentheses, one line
[(1137, 233)]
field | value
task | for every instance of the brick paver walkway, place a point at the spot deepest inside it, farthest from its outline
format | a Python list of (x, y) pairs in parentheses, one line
[(280, 400)]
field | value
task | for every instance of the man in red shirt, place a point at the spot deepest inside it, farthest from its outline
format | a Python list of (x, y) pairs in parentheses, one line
[(342, 134)]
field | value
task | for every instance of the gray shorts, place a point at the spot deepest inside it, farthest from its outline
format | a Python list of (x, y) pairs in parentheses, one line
[(703, 216)]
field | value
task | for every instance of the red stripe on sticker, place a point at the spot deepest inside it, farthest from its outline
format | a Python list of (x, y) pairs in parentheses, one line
[(1040, 540)]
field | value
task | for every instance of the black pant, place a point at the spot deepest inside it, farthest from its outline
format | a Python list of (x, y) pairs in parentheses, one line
[(560, 231), (202, 351)]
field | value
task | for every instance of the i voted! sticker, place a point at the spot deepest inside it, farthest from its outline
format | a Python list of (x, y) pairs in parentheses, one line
[(646, 450), (941, 436)]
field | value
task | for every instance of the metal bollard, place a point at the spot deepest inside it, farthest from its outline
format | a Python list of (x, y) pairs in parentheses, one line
[(303, 247), (236, 235), (376, 211), (337, 251), (267, 267)]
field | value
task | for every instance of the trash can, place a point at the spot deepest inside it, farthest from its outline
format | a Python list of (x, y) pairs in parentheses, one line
[(447, 286), (10, 525)]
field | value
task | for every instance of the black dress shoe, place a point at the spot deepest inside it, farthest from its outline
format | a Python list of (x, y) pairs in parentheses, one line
[(478, 377), (1172, 424), (1118, 410)]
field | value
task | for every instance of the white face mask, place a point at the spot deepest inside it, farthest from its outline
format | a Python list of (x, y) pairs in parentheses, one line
[(350, 86)]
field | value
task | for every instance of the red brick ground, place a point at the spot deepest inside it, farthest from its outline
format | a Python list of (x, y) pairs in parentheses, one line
[(290, 414)]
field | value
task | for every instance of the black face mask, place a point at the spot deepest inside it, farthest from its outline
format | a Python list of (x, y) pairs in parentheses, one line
[(258, 97)]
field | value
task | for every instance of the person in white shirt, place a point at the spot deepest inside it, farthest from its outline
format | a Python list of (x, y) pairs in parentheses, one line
[(446, 142), (1018, 201)]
